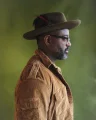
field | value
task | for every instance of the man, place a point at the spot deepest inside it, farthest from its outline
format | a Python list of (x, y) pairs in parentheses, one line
[(42, 93)]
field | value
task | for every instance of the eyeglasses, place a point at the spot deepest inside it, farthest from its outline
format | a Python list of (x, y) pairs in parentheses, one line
[(62, 37)]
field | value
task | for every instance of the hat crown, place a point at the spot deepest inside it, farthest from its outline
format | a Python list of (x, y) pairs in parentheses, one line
[(49, 19), (49, 22)]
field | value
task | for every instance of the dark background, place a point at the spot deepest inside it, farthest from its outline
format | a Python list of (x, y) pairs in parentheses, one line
[(16, 17)]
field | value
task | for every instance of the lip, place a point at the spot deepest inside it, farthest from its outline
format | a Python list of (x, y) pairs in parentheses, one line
[(67, 51)]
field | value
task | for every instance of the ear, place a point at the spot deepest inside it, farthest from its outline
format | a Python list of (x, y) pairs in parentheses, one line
[(47, 40)]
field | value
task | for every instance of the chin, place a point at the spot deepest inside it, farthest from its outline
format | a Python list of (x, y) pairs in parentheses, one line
[(63, 57)]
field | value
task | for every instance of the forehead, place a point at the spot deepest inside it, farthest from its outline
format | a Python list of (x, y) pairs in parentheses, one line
[(64, 32)]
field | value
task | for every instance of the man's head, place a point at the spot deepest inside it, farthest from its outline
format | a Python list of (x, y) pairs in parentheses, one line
[(52, 34), (56, 44)]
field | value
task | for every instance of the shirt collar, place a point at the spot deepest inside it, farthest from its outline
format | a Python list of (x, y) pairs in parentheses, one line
[(45, 59)]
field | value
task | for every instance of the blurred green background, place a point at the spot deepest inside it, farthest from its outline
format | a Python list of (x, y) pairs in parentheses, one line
[(16, 17)]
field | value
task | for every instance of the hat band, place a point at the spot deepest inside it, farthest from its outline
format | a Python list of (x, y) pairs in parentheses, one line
[(43, 18)]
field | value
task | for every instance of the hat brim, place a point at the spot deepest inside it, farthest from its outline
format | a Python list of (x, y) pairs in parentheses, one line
[(31, 35)]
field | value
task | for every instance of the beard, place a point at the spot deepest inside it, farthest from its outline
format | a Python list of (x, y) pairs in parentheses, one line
[(61, 54)]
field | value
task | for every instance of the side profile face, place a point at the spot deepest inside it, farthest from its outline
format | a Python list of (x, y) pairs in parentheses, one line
[(58, 45)]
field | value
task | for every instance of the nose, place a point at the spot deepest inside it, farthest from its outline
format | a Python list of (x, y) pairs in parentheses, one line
[(68, 43)]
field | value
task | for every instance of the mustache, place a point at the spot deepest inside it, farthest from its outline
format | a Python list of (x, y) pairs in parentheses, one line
[(67, 49)]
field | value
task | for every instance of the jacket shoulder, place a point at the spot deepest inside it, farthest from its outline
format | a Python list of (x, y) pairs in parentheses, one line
[(40, 72), (35, 69), (31, 67)]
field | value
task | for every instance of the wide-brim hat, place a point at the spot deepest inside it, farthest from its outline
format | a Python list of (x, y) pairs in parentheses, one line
[(49, 22)]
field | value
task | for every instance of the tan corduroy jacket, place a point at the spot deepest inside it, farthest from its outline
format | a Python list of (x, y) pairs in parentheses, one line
[(42, 93)]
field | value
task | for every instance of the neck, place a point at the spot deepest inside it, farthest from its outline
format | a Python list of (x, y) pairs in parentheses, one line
[(49, 56)]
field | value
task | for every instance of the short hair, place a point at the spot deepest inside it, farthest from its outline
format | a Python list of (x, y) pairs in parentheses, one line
[(38, 40)]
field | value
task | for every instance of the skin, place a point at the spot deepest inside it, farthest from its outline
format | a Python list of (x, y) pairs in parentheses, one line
[(55, 48)]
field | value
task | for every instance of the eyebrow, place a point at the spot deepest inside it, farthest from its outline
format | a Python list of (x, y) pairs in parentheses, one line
[(64, 35)]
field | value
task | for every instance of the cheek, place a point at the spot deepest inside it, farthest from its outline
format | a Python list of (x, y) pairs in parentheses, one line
[(65, 45), (54, 45), (62, 45)]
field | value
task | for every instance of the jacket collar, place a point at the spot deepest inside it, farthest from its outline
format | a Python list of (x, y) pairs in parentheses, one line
[(46, 61), (49, 64)]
